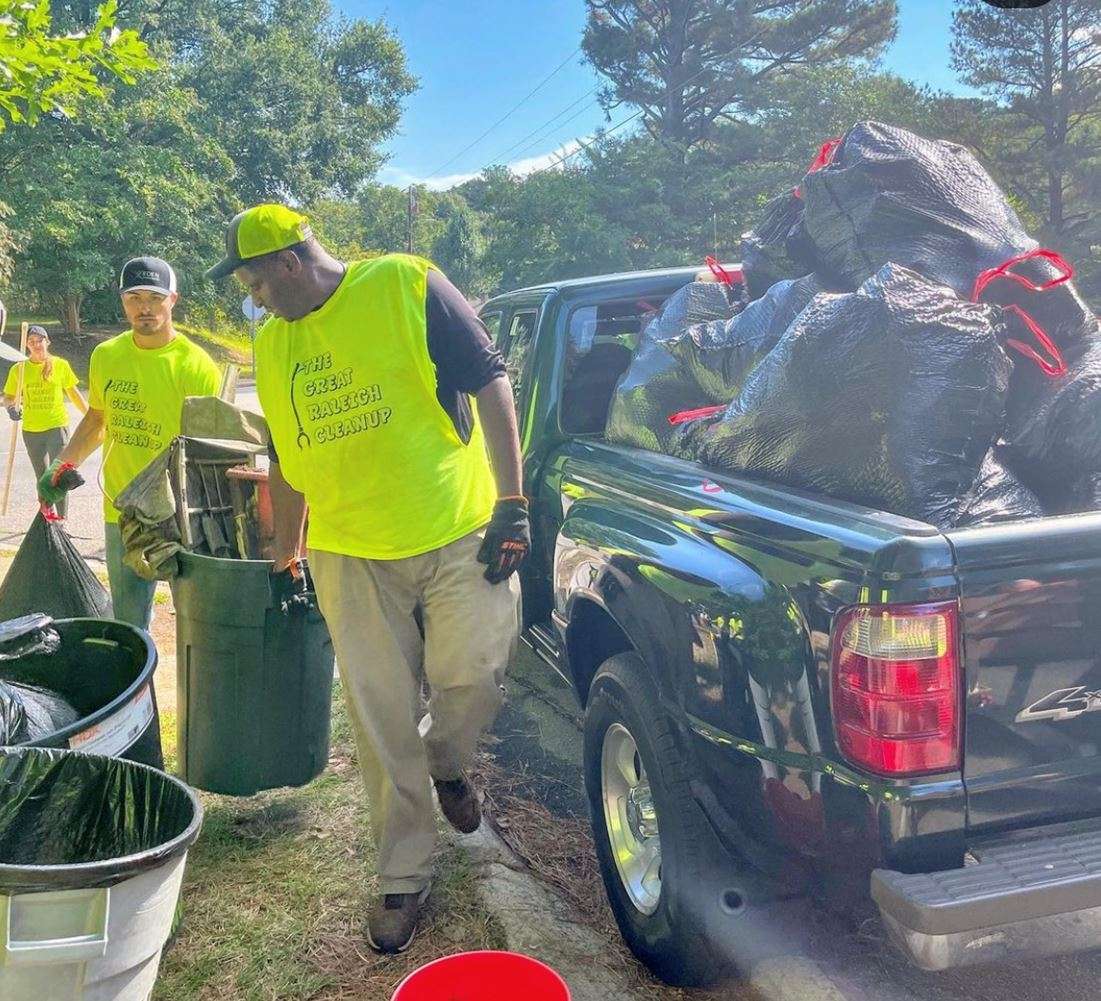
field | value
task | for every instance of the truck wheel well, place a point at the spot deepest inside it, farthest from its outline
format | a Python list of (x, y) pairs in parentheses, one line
[(593, 637)]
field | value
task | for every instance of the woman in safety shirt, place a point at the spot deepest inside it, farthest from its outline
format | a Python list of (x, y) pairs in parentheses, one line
[(47, 380)]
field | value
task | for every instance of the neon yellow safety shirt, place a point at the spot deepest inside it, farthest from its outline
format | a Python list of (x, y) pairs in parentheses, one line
[(43, 400), (349, 392), (141, 394)]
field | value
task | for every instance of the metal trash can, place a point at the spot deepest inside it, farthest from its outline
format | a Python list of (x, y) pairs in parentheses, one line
[(92, 856), (254, 683), (105, 670)]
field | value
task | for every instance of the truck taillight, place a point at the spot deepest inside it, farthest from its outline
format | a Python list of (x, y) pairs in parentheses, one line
[(895, 679)]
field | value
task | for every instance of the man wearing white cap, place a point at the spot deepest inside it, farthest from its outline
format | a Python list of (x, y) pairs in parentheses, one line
[(137, 384)]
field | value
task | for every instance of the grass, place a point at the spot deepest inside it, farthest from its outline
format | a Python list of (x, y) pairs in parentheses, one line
[(277, 888)]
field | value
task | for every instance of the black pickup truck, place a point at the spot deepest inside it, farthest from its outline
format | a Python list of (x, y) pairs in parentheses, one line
[(810, 692)]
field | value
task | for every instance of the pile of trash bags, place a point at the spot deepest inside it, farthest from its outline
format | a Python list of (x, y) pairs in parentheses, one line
[(908, 347)]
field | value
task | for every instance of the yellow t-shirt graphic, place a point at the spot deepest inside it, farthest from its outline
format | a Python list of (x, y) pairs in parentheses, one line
[(43, 401), (141, 394)]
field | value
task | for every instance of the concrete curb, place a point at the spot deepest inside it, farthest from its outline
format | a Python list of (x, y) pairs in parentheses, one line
[(538, 923)]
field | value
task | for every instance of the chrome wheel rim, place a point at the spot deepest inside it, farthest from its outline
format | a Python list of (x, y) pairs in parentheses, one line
[(631, 819)]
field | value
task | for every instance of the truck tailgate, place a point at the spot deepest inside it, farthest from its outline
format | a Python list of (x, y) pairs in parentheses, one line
[(1031, 622)]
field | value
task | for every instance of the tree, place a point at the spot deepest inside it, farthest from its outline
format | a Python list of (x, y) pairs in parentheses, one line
[(688, 64), (42, 72), (1044, 66), (459, 248), (301, 100), (132, 177), (544, 226)]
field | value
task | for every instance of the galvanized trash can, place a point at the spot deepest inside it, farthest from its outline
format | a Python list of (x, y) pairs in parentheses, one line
[(254, 682), (105, 670), (92, 855)]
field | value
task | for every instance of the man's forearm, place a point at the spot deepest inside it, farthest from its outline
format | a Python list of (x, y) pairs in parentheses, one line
[(87, 437), (289, 516), (497, 413)]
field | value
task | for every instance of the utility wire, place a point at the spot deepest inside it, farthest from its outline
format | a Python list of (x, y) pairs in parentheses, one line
[(516, 107), (584, 145), (543, 138), (500, 157)]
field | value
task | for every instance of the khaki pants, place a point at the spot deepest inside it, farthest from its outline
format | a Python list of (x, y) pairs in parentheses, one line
[(470, 632)]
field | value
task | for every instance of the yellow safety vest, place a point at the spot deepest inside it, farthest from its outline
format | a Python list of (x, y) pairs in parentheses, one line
[(349, 392)]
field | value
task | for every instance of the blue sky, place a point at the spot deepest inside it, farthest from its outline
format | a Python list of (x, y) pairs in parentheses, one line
[(476, 59)]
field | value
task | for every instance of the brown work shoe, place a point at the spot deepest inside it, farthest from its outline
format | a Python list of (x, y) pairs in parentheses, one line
[(459, 804), (392, 922)]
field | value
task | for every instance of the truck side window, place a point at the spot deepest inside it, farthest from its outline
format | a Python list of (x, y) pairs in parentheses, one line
[(492, 323), (521, 336), (600, 343)]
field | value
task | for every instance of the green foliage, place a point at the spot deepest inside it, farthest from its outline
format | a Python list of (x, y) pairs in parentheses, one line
[(1043, 66), (135, 176), (258, 100), (689, 64), (43, 72)]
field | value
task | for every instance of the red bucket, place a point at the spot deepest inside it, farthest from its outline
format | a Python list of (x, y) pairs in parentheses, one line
[(483, 976)]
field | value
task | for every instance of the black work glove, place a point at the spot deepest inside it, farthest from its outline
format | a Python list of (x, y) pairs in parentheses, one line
[(15, 413), (507, 540), (291, 589)]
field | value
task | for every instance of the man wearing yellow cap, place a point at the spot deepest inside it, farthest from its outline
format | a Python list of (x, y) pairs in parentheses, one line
[(366, 373)]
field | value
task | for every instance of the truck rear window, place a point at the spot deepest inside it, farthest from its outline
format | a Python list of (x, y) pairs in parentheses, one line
[(600, 342)]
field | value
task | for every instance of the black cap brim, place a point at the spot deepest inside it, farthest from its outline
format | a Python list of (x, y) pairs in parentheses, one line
[(224, 268)]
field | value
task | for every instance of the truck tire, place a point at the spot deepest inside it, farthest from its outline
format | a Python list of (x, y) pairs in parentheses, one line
[(637, 780)]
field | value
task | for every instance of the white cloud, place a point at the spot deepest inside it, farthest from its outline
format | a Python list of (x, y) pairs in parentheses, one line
[(403, 178)]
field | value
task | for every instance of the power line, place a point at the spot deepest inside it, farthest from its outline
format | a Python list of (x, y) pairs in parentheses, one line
[(500, 157), (584, 145), (516, 107), (543, 138), (626, 121)]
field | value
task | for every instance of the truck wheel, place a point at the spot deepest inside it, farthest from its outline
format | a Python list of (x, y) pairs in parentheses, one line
[(648, 830)]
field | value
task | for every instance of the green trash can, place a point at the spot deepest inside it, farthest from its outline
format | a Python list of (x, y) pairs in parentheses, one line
[(254, 683)]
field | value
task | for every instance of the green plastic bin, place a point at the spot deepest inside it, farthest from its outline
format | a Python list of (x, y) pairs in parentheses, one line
[(254, 683)]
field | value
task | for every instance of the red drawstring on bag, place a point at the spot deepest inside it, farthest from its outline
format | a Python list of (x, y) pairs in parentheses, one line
[(684, 416), (49, 512), (1053, 366), (1006, 271), (721, 274), (823, 159)]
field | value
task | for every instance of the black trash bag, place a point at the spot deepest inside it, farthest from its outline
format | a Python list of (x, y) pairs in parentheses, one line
[(891, 195), (1085, 494), (890, 397), (777, 249), (656, 384), (997, 496), (29, 713), (49, 575), (720, 355), (1053, 430), (27, 636), (766, 255), (113, 818)]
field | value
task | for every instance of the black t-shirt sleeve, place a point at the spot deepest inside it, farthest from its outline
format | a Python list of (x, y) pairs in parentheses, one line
[(466, 359)]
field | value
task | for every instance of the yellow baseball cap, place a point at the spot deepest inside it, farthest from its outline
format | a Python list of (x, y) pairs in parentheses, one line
[(263, 229)]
